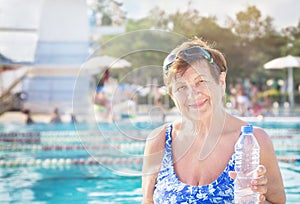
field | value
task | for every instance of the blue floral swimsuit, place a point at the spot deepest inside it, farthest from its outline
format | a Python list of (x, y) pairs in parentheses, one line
[(169, 189)]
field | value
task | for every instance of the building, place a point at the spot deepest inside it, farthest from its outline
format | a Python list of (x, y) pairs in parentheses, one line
[(54, 39)]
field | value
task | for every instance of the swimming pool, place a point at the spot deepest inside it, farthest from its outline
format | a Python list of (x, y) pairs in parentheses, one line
[(100, 163)]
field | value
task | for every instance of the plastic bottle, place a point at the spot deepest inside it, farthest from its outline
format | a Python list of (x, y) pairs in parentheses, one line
[(246, 161)]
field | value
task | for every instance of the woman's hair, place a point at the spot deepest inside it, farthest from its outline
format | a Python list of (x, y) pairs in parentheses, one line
[(180, 65)]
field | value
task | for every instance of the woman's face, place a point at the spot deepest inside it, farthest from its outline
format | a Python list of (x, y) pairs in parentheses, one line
[(196, 93)]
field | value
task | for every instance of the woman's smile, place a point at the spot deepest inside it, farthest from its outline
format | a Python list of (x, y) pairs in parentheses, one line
[(198, 104)]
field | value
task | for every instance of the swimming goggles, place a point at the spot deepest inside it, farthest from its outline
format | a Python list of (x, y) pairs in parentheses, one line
[(189, 54)]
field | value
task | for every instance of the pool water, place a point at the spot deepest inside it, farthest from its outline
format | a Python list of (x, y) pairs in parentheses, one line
[(101, 163)]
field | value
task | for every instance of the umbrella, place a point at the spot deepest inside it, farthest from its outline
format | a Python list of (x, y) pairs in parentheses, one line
[(288, 62), (100, 63)]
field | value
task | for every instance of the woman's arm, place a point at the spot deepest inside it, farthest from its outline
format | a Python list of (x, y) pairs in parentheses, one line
[(269, 182), (153, 154)]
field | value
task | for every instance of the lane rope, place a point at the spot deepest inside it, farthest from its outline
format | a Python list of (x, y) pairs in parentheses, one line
[(69, 161)]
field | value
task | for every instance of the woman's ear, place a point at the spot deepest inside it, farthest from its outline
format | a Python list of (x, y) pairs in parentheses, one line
[(223, 80)]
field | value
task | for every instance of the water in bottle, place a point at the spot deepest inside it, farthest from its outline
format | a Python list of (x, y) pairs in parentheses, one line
[(246, 161)]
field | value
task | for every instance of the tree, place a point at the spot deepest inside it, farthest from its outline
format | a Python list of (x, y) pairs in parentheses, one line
[(107, 12), (248, 41), (257, 42), (292, 47), (292, 35), (249, 24), (143, 48)]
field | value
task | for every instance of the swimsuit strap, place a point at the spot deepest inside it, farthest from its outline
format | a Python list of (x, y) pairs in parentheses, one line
[(167, 159), (168, 145)]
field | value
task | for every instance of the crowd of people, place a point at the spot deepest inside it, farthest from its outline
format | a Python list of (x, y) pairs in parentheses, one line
[(245, 100)]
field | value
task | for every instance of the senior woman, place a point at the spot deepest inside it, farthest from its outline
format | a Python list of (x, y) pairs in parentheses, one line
[(191, 160)]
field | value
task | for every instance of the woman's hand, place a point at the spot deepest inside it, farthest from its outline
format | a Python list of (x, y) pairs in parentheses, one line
[(259, 181)]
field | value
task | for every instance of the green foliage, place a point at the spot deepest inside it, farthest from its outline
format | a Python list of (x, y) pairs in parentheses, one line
[(106, 20), (248, 41), (292, 35), (143, 48), (133, 25), (249, 24)]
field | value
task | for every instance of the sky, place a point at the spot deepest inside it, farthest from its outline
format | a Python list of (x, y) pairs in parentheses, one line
[(26, 14), (284, 12)]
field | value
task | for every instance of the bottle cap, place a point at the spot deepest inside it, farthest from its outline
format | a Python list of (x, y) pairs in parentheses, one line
[(247, 129)]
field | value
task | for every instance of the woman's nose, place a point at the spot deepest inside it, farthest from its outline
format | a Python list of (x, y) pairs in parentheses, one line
[(193, 90)]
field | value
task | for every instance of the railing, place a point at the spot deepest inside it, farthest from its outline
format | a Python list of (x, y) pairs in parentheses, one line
[(9, 103), (8, 100)]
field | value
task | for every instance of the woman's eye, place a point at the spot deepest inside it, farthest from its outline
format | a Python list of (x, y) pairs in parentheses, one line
[(181, 88), (200, 82)]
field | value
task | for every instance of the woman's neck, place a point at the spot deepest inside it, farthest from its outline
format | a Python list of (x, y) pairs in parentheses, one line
[(204, 125), (206, 132)]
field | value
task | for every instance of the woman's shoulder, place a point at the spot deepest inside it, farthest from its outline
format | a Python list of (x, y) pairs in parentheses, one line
[(262, 137), (234, 124), (156, 140)]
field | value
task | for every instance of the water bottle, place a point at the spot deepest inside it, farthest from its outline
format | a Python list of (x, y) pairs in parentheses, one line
[(246, 161)]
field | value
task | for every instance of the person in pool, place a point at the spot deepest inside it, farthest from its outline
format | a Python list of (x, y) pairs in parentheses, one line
[(28, 118), (191, 160), (55, 116)]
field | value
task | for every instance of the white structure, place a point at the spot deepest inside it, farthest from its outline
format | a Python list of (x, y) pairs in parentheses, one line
[(54, 36), (63, 44)]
